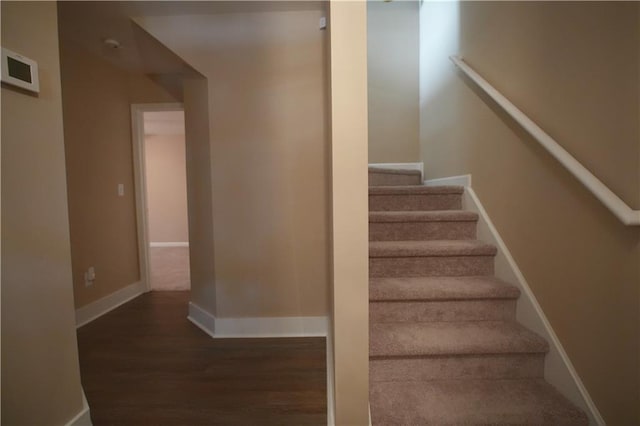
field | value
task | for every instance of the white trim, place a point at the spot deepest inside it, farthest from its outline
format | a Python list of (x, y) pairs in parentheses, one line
[(83, 418), (462, 180), (331, 410), (137, 142), (559, 370), (169, 244), (202, 319), (400, 166), (617, 206), (93, 310), (271, 327), (224, 328)]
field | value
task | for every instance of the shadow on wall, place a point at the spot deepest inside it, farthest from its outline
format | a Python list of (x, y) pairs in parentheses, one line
[(393, 80)]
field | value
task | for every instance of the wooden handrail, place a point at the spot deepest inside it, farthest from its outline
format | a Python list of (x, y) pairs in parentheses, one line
[(615, 204)]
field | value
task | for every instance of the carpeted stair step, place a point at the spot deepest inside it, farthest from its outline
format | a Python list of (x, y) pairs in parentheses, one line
[(444, 347), (430, 258), (418, 197), (390, 177), (452, 338), (445, 350), (422, 225), (441, 299), (467, 402)]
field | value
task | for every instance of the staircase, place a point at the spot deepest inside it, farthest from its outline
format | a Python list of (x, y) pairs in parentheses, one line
[(445, 348)]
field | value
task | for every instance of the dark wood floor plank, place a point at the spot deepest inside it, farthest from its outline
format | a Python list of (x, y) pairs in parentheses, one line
[(146, 364)]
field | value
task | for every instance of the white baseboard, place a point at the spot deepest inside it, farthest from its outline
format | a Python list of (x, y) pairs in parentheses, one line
[(93, 310), (169, 244), (202, 319), (257, 327), (400, 166), (462, 180), (559, 370), (331, 410), (83, 418), (271, 327)]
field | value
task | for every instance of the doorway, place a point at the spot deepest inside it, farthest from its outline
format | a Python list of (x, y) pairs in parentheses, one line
[(161, 192)]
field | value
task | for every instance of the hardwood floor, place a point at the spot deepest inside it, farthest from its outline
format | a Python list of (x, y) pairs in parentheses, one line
[(146, 364)]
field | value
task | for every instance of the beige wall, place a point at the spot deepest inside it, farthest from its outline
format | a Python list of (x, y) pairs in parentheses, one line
[(392, 45), (166, 180), (349, 335), (97, 98), (40, 374), (198, 155), (574, 69), (268, 155)]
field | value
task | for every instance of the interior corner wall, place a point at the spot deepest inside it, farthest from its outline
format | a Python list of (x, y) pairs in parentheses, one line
[(40, 370), (269, 165), (199, 193), (97, 100), (393, 80), (574, 68), (166, 181)]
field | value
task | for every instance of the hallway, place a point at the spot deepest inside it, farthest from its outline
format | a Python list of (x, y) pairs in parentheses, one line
[(145, 363)]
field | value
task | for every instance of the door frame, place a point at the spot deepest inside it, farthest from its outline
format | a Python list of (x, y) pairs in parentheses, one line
[(140, 181)]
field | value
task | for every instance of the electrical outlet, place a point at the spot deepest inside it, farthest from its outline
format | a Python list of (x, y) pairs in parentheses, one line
[(89, 276)]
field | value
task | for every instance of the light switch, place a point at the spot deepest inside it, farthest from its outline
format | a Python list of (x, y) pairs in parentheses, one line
[(89, 276), (121, 189)]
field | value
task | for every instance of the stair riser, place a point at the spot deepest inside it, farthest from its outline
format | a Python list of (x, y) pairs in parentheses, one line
[(415, 202), (447, 310), (509, 366), (454, 266), (416, 231), (386, 179)]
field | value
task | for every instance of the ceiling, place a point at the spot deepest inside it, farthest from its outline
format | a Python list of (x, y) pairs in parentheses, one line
[(89, 23)]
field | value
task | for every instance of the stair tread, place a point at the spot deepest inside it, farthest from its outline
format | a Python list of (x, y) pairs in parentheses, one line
[(414, 189), (430, 248), (423, 216), (409, 172), (469, 401), (440, 288), (412, 339)]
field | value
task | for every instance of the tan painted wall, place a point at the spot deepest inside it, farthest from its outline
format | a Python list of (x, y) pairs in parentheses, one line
[(97, 98), (574, 69), (392, 45), (166, 179), (268, 155), (40, 373), (198, 156), (350, 237)]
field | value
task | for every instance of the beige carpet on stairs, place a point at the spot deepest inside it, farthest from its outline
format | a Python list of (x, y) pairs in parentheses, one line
[(445, 347)]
